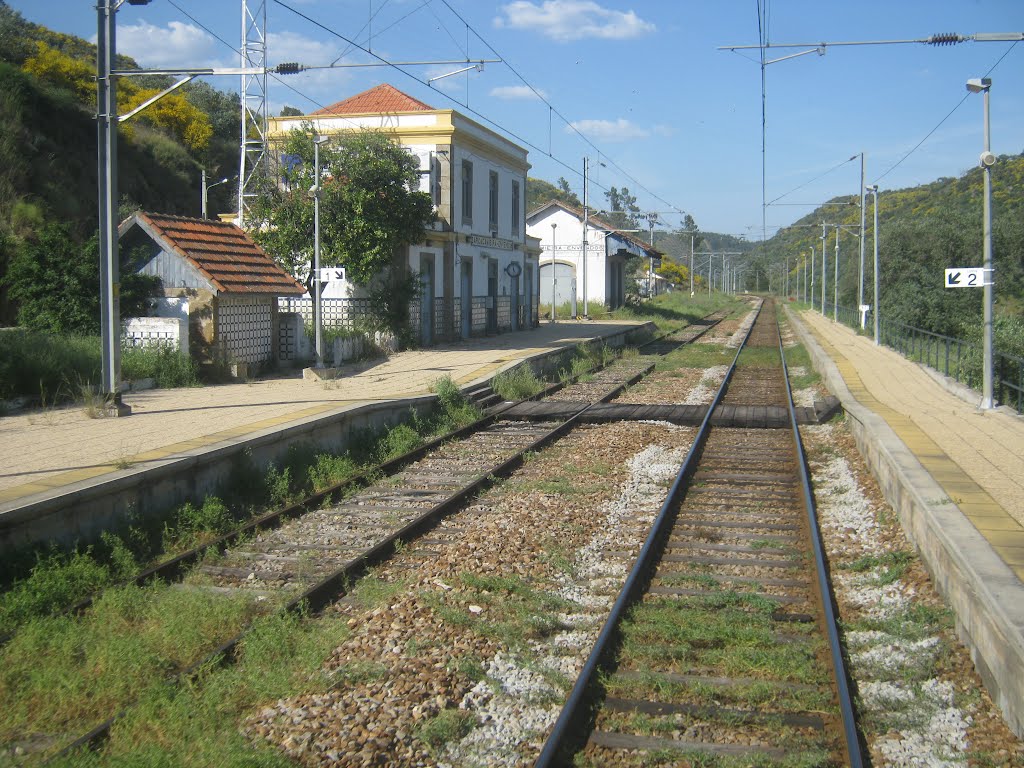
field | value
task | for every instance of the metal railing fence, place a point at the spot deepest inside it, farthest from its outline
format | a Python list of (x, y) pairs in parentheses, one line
[(959, 359)]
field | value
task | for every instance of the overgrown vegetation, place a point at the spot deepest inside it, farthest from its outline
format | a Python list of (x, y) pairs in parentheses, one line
[(55, 369), (517, 384), (38, 582)]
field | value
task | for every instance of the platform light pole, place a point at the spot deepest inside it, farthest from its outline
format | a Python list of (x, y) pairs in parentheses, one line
[(554, 226), (860, 276), (983, 85), (873, 189), (652, 219), (314, 191), (208, 187)]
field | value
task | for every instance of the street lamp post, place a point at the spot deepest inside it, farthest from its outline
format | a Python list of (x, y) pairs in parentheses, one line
[(873, 189), (860, 282), (554, 226), (983, 85), (651, 219), (835, 282), (317, 307), (824, 280), (208, 187)]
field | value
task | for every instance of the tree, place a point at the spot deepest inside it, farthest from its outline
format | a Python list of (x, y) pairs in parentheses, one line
[(55, 281), (674, 272), (539, 192), (623, 212), (370, 205), (287, 111)]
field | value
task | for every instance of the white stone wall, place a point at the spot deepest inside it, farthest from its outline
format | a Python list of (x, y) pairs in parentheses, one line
[(146, 331)]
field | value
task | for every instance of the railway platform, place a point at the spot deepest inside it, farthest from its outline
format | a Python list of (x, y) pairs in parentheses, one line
[(955, 476), (60, 457)]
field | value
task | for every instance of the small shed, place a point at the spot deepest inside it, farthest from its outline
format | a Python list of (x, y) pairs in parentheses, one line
[(231, 284)]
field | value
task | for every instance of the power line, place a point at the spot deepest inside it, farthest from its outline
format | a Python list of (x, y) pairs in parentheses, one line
[(465, 106), (565, 120), (807, 183), (939, 124)]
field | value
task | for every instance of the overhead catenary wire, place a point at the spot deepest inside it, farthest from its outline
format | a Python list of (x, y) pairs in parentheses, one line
[(938, 125), (569, 167), (565, 120)]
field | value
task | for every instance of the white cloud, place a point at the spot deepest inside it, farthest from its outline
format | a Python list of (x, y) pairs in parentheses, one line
[(291, 46), (565, 20), (609, 130), (176, 45), (516, 92)]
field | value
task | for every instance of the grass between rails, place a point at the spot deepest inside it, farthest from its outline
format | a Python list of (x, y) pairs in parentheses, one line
[(39, 582)]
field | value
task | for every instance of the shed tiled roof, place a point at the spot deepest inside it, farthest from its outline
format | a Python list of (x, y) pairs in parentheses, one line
[(379, 99), (221, 251)]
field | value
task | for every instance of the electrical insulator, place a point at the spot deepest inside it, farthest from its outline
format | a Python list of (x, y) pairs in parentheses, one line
[(287, 68), (945, 38)]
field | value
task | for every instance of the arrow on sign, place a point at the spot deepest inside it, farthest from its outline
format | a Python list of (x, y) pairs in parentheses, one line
[(953, 278)]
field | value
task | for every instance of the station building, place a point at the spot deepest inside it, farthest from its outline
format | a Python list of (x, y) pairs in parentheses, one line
[(564, 267), (478, 267)]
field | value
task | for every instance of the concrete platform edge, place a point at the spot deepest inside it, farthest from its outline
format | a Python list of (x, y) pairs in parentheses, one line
[(985, 595), (80, 511)]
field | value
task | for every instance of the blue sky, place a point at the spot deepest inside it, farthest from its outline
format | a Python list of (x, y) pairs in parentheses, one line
[(674, 119)]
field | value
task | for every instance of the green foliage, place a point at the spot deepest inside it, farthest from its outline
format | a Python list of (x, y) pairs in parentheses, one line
[(623, 212), (167, 366), (516, 384), (53, 368), (190, 525), (56, 281), (540, 192), (370, 205)]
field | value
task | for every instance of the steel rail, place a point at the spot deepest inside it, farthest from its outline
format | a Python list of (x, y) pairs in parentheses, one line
[(854, 755), (332, 587), (171, 568), (570, 725)]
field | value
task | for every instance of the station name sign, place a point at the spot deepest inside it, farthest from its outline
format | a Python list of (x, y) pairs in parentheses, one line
[(492, 242)]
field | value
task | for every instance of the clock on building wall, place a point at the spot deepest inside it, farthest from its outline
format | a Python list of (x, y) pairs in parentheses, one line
[(514, 269)]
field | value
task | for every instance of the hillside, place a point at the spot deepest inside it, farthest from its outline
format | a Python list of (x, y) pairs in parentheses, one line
[(48, 164), (922, 231)]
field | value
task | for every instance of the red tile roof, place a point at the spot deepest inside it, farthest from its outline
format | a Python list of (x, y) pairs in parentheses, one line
[(380, 99), (222, 252)]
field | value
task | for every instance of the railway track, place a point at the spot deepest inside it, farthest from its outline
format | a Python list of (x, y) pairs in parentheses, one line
[(722, 642), (301, 557)]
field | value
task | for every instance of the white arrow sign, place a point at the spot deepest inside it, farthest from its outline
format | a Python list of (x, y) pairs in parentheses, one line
[(330, 274), (968, 277)]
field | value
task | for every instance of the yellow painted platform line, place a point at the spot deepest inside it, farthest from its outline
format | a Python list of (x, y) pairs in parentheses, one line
[(992, 521)]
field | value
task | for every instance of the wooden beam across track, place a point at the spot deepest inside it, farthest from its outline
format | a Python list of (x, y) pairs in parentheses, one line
[(747, 416)]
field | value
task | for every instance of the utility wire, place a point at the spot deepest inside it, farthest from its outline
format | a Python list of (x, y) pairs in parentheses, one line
[(517, 137), (807, 183), (565, 120), (948, 115)]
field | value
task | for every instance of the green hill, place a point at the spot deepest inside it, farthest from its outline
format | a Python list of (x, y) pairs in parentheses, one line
[(922, 231)]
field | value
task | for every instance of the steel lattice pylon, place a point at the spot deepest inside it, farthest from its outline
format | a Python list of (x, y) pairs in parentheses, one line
[(253, 145)]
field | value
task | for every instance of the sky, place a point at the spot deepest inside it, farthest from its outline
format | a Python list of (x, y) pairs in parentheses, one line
[(640, 87)]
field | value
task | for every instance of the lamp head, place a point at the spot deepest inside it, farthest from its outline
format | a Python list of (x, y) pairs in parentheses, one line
[(979, 84), (872, 188)]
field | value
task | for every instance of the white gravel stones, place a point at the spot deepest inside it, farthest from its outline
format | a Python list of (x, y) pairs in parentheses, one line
[(704, 392), (514, 703), (938, 741), (925, 729)]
